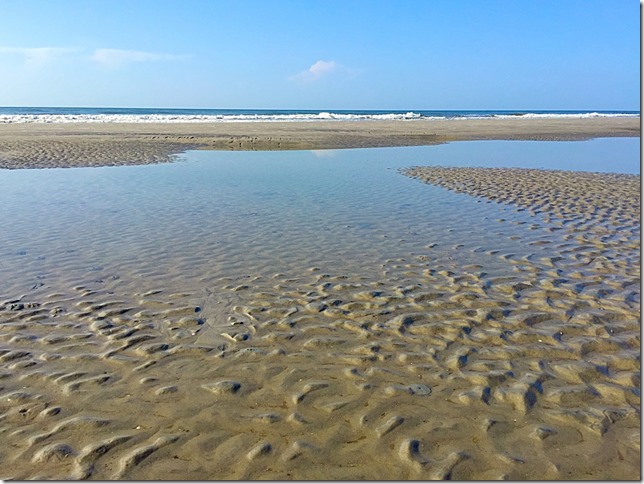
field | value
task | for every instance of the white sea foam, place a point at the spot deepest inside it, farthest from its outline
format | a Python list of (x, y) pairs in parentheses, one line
[(292, 117), (567, 115), (196, 118)]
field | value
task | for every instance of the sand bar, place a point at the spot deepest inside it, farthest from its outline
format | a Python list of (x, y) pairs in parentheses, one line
[(40, 145), (598, 209)]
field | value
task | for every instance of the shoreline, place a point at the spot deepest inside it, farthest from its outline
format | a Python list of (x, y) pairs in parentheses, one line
[(66, 145)]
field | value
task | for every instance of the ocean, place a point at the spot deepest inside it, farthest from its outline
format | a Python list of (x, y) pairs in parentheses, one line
[(175, 115)]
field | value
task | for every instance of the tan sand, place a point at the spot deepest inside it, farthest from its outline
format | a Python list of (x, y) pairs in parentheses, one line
[(596, 209), (430, 368), (36, 145)]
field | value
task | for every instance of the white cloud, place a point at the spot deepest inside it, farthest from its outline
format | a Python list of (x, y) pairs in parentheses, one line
[(36, 55), (320, 69), (119, 57)]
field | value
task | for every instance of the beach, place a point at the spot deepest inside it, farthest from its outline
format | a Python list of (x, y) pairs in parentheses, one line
[(257, 321), (41, 145), (254, 241)]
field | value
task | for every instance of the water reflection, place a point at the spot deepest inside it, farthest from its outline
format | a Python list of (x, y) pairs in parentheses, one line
[(248, 211), (617, 155)]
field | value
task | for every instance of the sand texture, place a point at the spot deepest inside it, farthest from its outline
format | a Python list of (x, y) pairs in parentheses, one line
[(35, 145), (598, 210), (474, 364)]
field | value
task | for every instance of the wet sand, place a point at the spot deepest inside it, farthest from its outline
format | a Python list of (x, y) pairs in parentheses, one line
[(34, 145), (599, 210), (427, 367)]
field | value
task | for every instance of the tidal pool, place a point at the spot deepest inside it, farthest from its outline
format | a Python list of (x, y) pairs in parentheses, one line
[(231, 212)]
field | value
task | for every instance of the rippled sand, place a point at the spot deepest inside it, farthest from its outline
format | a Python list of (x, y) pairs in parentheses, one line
[(39, 145), (469, 363), (600, 211)]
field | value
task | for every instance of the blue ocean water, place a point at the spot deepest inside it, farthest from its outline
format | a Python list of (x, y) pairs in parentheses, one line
[(107, 114)]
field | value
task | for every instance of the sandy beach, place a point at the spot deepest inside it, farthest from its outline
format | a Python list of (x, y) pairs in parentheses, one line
[(466, 360), (40, 145), (251, 241)]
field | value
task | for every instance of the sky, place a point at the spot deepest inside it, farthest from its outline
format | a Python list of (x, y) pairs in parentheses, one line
[(321, 54)]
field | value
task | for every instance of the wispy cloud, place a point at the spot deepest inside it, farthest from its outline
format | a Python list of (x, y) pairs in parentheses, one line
[(318, 70), (36, 55), (120, 57), (112, 58)]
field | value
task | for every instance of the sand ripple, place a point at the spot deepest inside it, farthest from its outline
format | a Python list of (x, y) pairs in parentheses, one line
[(520, 366), (327, 380)]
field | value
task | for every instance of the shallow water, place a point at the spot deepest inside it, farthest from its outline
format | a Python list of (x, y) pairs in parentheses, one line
[(228, 212), (360, 286)]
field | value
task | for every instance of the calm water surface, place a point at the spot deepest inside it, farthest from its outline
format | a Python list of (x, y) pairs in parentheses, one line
[(222, 214)]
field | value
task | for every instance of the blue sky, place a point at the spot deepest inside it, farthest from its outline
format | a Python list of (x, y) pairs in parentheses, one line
[(321, 54)]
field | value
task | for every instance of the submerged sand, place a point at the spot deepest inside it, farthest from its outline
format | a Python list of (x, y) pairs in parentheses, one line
[(40, 145), (515, 367)]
